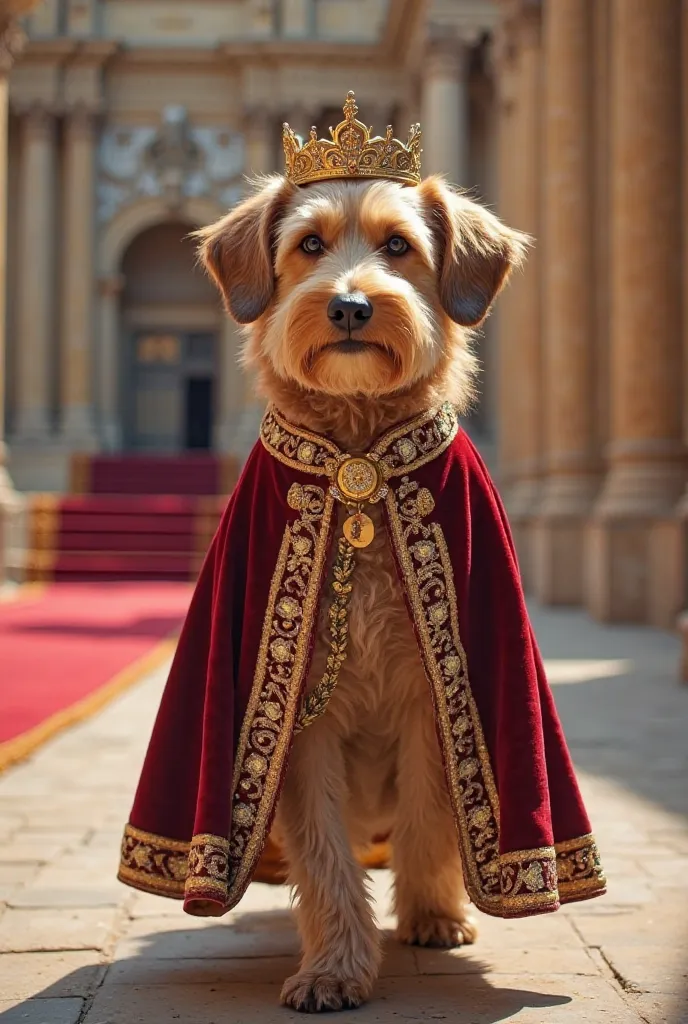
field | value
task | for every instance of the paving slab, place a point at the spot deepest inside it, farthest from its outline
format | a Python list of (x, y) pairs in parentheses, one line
[(25, 931), (659, 969), (472, 999), (41, 1011), (63, 974)]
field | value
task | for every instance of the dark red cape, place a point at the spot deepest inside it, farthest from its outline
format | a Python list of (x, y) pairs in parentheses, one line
[(219, 750)]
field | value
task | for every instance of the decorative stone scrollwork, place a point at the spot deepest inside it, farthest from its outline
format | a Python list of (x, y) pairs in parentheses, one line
[(174, 162)]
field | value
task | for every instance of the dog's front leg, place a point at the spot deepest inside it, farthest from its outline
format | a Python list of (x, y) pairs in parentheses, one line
[(341, 951), (429, 894)]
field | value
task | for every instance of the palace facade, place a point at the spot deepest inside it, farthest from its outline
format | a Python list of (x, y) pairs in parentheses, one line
[(132, 122)]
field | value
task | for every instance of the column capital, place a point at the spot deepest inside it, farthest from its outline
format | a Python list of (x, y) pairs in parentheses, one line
[(39, 123), (80, 122), (446, 55)]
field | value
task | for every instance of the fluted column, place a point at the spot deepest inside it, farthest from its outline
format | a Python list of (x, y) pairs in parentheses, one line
[(567, 292), (445, 108), (108, 364), (645, 452), (506, 363), (77, 281), (523, 333), (35, 279)]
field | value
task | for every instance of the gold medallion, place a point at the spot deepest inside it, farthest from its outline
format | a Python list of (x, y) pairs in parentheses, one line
[(358, 478), (359, 530)]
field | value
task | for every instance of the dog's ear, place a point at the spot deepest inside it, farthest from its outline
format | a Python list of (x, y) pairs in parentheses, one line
[(477, 252), (237, 251)]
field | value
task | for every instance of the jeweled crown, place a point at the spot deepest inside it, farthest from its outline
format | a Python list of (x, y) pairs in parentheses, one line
[(352, 152)]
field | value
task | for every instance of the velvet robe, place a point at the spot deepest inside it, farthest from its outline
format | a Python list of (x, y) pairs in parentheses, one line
[(220, 745)]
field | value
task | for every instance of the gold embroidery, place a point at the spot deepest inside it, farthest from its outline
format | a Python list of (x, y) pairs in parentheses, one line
[(425, 564), (409, 446), (283, 656), (316, 701), (208, 868), (153, 863), (579, 869), (296, 447), (401, 450)]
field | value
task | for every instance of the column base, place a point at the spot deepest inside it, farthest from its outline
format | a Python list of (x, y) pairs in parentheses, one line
[(630, 543), (617, 568), (111, 436), (224, 436), (32, 427), (557, 548), (11, 508), (521, 502), (39, 467), (78, 429)]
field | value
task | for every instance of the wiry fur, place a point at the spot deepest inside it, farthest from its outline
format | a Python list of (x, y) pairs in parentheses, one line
[(375, 748)]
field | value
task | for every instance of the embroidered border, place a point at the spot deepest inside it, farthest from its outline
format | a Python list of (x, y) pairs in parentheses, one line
[(509, 884), (280, 670), (528, 880), (296, 447), (579, 869), (153, 863), (422, 554), (401, 450), (409, 446)]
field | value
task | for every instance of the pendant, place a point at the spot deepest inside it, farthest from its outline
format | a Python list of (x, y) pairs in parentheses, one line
[(359, 530)]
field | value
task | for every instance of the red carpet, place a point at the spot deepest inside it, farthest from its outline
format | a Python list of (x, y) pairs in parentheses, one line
[(66, 649)]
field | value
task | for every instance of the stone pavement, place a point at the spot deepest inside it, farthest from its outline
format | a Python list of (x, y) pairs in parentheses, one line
[(75, 946)]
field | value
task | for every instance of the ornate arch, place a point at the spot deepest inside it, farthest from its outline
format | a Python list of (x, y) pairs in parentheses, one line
[(116, 236)]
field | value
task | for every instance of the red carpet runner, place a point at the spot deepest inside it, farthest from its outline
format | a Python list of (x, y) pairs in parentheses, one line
[(67, 649)]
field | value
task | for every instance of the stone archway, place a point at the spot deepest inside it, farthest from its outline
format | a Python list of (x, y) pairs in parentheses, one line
[(147, 280)]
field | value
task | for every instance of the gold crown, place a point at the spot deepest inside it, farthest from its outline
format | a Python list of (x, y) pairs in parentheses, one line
[(352, 152)]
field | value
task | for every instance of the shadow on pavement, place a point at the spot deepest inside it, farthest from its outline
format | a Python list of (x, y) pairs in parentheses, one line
[(213, 974)]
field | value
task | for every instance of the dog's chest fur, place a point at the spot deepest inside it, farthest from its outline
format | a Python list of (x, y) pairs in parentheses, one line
[(382, 681)]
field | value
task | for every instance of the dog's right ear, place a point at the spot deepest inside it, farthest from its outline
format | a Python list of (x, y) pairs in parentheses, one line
[(237, 251)]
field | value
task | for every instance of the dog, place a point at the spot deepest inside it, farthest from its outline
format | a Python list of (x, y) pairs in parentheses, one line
[(359, 299)]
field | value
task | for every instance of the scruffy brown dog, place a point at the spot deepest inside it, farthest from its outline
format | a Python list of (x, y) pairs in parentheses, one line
[(359, 298)]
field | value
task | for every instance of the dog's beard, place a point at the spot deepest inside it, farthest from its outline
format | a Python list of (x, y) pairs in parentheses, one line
[(397, 348)]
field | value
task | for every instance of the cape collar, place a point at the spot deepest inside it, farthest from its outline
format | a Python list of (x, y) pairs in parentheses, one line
[(402, 449)]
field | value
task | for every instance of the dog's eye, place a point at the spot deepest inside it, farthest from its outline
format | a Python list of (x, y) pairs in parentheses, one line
[(397, 246), (312, 245)]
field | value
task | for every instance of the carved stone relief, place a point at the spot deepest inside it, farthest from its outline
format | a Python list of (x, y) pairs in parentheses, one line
[(174, 161)]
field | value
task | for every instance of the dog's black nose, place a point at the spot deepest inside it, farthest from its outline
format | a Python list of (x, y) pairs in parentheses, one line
[(350, 312)]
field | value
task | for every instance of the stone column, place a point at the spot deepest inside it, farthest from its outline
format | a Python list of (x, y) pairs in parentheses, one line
[(35, 279), (445, 108), (108, 364), (567, 304), (10, 503), (505, 363), (77, 281), (521, 334), (645, 451)]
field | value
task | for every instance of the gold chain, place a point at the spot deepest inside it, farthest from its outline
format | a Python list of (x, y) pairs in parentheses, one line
[(315, 702)]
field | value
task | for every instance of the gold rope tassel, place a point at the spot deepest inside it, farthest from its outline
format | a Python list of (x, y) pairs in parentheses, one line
[(315, 702)]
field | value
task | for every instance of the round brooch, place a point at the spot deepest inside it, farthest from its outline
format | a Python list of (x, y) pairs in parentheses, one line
[(358, 479)]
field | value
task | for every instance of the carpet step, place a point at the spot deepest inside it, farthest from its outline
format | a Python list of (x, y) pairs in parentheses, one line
[(194, 474)]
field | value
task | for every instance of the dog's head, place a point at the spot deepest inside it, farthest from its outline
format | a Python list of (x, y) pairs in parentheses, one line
[(359, 288)]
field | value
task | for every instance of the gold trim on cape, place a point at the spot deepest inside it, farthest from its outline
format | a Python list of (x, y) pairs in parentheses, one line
[(213, 872)]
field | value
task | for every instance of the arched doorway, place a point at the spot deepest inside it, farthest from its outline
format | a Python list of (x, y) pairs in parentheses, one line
[(170, 319)]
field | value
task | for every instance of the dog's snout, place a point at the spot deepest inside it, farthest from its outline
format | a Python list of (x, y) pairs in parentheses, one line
[(351, 311)]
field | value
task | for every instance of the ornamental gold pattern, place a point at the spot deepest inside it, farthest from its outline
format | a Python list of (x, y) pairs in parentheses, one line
[(352, 152), (283, 658)]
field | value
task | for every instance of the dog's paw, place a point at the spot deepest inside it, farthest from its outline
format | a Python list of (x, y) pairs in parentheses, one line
[(437, 931), (313, 992)]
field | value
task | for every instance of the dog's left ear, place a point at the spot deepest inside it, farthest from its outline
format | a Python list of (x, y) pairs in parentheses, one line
[(237, 251), (477, 251)]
